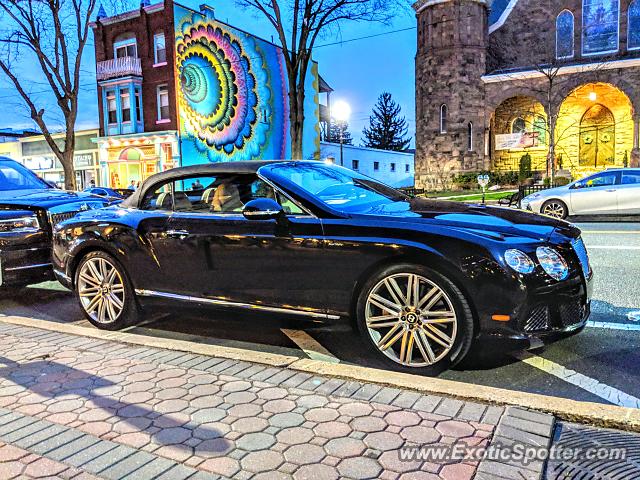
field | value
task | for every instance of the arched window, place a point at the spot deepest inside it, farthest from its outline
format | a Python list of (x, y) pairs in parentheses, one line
[(444, 112), (600, 26), (633, 30), (470, 136), (564, 34), (519, 125), (540, 127)]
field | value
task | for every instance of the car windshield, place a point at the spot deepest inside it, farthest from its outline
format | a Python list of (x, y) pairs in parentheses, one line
[(14, 176), (342, 189)]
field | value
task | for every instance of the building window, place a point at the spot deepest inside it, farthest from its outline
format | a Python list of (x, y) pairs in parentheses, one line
[(125, 46), (444, 112), (540, 127), (406, 168), (138, 105), (125, 102), (163, 102), (519, 125), (633, 40), (470, 136), (393, 167), (564, 34), (112, 108), (600, 26), (159, 49), (376, 166), (355, 164)]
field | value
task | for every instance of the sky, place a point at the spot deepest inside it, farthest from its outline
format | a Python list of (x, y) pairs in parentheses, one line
[(358, 71)]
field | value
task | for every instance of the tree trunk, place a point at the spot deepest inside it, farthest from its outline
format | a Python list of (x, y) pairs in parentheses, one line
[(69, 170)]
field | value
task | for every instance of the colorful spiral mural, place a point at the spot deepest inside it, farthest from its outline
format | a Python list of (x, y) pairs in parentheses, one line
[(232, 94)]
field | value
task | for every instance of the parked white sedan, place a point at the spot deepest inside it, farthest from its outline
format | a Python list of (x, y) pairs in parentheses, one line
[(612, 192)]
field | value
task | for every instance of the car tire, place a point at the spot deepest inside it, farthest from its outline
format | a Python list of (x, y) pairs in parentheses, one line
[(436, 328), (104, 292), (555, 208)]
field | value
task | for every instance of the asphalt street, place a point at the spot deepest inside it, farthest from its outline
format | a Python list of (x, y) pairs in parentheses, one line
[(599, 365)]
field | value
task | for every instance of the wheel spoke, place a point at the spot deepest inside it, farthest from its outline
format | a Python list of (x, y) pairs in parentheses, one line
[(427, 297), (94, 271), (435, 299), (382, 321), (384, 304), (413, 290), (93, 303), (101, 290), (423, 345), (389, 339), (89, 291), (406, 350), (395, 291), (116, 301), (438, 336), (89, 279)]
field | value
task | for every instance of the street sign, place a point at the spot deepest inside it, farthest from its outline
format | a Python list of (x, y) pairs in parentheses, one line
[(483, 181)]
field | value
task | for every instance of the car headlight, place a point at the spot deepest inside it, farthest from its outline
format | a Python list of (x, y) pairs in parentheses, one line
[(519, 261), (552, 263), (25, 224), (533, 196)]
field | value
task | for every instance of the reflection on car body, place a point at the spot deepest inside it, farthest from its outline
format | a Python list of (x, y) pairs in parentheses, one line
[(421, 279)]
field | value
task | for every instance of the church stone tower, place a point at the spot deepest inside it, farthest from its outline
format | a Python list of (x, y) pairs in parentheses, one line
[(450, 61)]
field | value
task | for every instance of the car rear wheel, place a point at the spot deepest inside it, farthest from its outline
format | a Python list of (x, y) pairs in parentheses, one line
[(415, 319), (104, 292), (555, 208)]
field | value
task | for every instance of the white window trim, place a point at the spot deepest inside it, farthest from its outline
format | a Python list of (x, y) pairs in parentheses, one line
[(573, 35), (155, 50), (629, 27), (470, 136), (596, 54), (159, 118)]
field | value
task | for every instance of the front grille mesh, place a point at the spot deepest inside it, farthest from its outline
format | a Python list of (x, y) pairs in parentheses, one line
[(61, 217), (571, 313), (538, 320)]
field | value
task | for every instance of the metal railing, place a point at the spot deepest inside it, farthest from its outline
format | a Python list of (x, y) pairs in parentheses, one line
[(118, 67)]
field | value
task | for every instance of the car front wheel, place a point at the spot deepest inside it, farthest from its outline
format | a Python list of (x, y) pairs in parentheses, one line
[(415, 319), (555, 208), (104, 292)]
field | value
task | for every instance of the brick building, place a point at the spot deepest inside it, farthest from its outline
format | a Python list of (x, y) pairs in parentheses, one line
[(499, 79)]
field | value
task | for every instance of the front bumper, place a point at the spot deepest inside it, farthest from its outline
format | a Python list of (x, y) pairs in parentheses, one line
[(22, 265)]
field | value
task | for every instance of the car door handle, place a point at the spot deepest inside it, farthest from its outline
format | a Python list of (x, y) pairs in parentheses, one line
[(177, 233)]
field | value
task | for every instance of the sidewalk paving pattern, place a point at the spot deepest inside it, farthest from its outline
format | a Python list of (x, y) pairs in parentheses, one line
[(81, 408)]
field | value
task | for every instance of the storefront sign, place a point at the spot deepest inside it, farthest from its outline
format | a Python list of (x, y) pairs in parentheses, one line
[(83, 160), (516, 141)]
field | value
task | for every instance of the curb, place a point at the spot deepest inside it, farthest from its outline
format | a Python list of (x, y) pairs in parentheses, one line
[(596, 414)]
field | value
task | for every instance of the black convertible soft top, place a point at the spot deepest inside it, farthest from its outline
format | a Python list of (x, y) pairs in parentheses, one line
[(246, 167)]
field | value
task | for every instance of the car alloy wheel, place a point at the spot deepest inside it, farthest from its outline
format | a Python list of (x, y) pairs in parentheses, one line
[(554, 209), (411, 320), (101, 290)]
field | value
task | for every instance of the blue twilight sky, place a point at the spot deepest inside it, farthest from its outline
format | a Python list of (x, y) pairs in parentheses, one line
[(358, 71)]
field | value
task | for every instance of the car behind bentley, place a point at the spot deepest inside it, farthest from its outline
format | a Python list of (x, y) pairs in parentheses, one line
[(29, 207), (421, 279)]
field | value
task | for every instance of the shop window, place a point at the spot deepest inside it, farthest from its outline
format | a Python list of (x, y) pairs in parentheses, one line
[(470, 136), (112, 108), (600, 26), (540, 127), (125, 102), (393, 167), (633, 40), (163, 103), (355, 164), (564, 34), (138, 105), (376, 166), (125, 46), (406, 168), (159, 49), (444, 112)]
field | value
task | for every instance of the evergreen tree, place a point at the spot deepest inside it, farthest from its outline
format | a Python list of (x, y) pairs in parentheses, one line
[(335, 128), (387, 129)]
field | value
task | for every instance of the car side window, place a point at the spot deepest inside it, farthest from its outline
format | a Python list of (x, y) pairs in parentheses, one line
[(159, 198), (600, 180), (630, 178)]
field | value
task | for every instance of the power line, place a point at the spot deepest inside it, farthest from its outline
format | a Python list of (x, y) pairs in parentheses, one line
[(349, 40)]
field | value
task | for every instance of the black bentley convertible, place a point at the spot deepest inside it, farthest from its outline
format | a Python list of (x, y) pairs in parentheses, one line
[(29, 207), (421, 279)]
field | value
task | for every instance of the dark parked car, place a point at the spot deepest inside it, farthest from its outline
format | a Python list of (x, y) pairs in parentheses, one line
[(29, 207), (422, 279), (112, 194)]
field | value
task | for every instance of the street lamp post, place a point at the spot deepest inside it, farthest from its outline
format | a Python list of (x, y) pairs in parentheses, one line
[(341, 111)]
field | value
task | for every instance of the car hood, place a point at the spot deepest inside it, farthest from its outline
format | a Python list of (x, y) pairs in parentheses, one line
[(480, 218), (43, 198)]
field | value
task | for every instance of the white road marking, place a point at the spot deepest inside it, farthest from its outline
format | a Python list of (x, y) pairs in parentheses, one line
[(611, 232), (591, 385), (614, 326), (310, 346), (613, 247)]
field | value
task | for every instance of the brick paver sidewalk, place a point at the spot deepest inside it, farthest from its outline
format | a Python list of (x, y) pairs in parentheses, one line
[(75, 407)]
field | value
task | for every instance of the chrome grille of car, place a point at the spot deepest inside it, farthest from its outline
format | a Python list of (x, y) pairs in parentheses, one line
[(538, 319), (583, 256), (56, 218)]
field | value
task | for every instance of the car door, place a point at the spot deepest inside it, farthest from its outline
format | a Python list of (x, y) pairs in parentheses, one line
[(217, 253), (597, 194), (629, 192)]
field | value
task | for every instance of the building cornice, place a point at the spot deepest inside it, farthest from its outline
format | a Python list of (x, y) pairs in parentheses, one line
[(422, 4), (156, 7), (567, 70)]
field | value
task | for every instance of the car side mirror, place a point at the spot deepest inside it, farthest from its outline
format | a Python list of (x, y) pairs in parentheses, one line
[(263, 209), (577, 185)]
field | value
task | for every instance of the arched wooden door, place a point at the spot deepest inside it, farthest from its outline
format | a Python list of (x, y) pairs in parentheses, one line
[(597, 137)]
